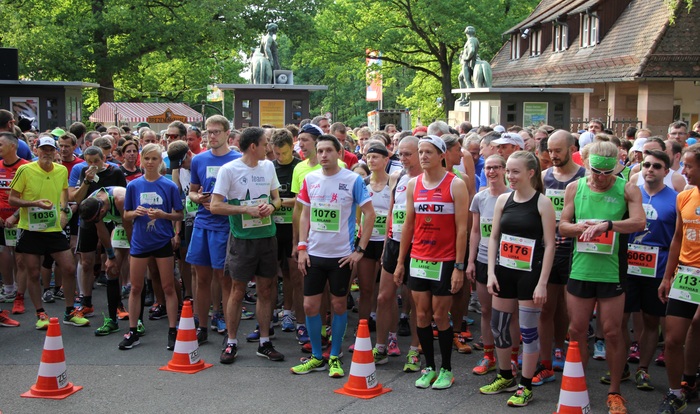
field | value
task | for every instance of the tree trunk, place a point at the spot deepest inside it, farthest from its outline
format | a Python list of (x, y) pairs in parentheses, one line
[(103, 69)]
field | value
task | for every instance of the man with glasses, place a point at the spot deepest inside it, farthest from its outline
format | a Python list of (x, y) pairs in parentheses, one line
[(208, 256), (647, 258), (678, 131), (553, 319), (600, 211), (673, 179)]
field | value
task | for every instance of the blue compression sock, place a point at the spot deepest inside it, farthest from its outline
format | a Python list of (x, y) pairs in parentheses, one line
[(313, 324), (340, 323)]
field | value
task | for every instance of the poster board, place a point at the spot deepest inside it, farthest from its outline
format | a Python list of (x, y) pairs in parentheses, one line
[(27, 107), (535, 113), (272, 112)]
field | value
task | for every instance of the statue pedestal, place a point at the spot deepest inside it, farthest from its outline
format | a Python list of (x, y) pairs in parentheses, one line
[(273, 104), (518, 106)]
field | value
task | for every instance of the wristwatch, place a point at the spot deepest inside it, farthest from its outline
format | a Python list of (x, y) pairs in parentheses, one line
[(360, 249), (459, 266), (66, 210)]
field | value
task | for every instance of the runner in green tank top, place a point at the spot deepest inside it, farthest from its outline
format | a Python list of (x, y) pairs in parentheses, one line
[(595, 214)]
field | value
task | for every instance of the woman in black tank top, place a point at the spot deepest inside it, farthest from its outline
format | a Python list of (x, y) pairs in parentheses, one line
[(521, 252)]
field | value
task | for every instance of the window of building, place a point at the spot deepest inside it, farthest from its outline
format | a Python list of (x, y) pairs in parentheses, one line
[(589, 30), (515, 46), (561, 37), (535, 42)]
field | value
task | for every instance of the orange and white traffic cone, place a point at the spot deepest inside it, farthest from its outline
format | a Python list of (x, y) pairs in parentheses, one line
[(362, 381), (186, 357), (52, 381), (573, 398)]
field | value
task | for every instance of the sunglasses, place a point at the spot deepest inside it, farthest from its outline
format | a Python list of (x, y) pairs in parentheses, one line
[(600, 172), (194, 128), (656, 165)]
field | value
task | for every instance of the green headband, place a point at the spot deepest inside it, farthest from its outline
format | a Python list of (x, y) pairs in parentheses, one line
[(600, 162)]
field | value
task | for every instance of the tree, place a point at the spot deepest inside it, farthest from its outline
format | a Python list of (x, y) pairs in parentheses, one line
[(423, 36)]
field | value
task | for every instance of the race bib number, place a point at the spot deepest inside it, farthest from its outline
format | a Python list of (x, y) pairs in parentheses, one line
[(422, 269), (379, 229), (486, 225), (11, 237), (557, 198), (119, 239), (190, 208), (516, 252), (398, 217), (325, 217), (686, 285), (642, 260), (40, 219), (603, 244), (283, 215), (248, 221)]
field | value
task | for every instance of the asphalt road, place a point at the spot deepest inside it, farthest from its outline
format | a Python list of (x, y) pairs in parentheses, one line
[(130, 382)]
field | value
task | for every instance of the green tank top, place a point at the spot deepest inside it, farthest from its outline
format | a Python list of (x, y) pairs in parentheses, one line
[(600, 261)]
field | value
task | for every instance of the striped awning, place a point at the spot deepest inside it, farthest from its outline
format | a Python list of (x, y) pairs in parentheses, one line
[(134, 112)]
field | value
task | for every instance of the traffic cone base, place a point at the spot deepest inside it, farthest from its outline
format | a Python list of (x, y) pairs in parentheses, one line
[(573, 397), (186, 358), (52, 380), (362, 381)]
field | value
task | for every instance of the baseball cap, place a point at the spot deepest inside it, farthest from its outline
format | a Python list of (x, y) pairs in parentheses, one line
[(58, 132), (499, 128), (420, 128), (639, 144), (435, 140), (177, 154), (46, 141), (508, 138), (311, 129), (142, 124)]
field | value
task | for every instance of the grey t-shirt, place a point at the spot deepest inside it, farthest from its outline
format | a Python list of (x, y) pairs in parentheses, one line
[(484, 204)]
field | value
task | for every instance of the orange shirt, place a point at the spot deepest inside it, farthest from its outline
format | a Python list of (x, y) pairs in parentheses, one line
[(688, 204), (434, 230)]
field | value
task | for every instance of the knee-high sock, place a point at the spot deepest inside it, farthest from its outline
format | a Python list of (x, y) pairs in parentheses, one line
[(313, 323), (113, 297), (425, 336), (338, 326), (445, 342)]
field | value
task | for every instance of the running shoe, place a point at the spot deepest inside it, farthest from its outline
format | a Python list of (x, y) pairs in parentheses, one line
[(42, 321), (229, 354), (122, 313), (172, 338), (474, 305), (444, 380), (108, 327), (218, 323), (159, 312), (126, 290), (393, 348), (255, 335), (643, 380), (427, 378), (59, 294), (78, 301), (287, 323), (335, 367), (8, 297), (498, 385), (6, 321), (633, 355), (249, 299), (202, 336), (251, 285), (87, 311), (599, 350), (660, 360), (558, 360), (275, 319), (246, 314), (101, 279), (130, 340), (140, 329), (484, 366), (47, 297), (309, 365), (412, 362), (542, 375), (18, 305), (267, 350), (75, 318), (616, 404), (479, 345), (591, 331), (521, 398), (380, 358), (626, 374), (302, 335), (404, 327), (460, 344), (672, 404), (354, 287), (690, 393)]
